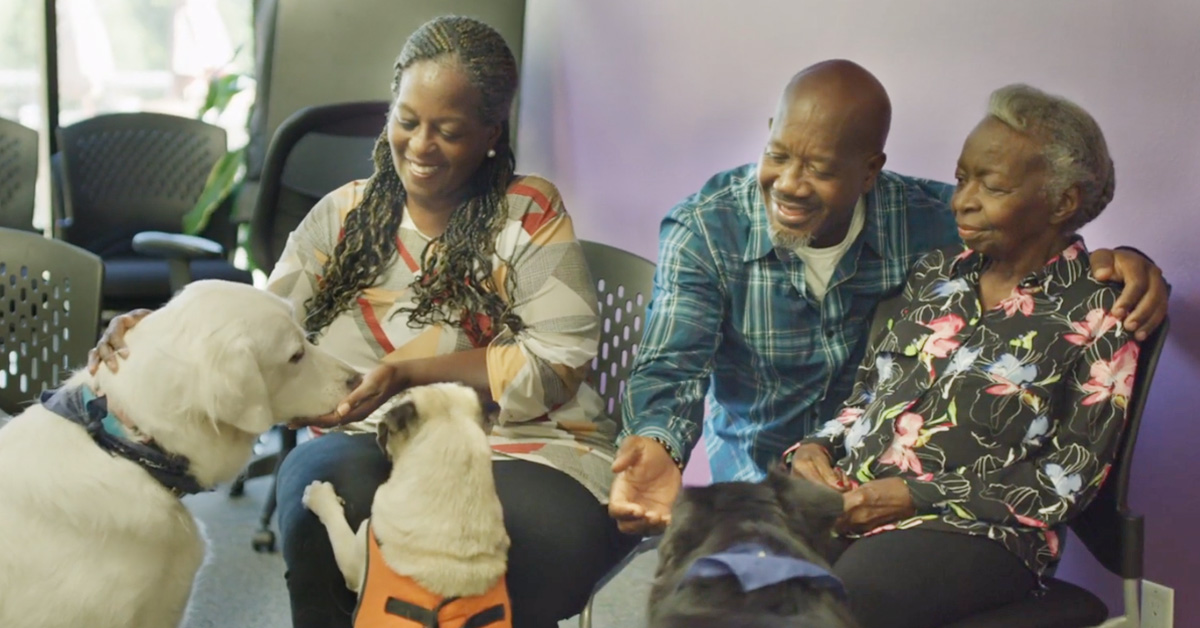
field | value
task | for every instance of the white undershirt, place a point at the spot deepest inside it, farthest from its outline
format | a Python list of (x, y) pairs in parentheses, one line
[(819, 263)]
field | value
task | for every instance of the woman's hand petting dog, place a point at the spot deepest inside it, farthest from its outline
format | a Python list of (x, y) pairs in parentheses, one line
[(382, 383), (812, 463), (875, 503), (645, 487), (112, 343)]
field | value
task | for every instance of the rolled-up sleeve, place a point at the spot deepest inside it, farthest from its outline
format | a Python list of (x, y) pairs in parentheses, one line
[(539, 367), (670, 378)]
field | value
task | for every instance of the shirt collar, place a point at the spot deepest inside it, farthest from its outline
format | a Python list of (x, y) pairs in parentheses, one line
[(759, 241), (1071, 262)]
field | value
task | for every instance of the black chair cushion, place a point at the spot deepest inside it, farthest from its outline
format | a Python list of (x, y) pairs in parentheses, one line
[(142, 279), (1062, 605)]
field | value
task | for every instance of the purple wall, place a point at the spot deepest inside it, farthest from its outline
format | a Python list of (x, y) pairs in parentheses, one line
[(629, 105)]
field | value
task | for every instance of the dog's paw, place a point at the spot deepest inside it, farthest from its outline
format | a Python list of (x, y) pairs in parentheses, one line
[(320, 495)]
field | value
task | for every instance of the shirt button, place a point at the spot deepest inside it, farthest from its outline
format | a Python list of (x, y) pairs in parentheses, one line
[(830, 333)]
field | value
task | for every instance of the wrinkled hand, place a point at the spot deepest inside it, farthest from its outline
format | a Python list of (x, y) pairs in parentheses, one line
[(645, 487), (1145, 291), (811, 462), (382, 383), (875, 503), (112, 343)]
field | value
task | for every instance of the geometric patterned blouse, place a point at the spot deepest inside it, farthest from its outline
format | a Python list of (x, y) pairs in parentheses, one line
[(547, 414)]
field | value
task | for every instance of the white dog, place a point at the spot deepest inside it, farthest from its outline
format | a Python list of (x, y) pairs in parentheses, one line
[(436, 523), (90, 537)]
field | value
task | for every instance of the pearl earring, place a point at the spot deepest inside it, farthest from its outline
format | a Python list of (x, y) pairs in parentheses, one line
[(491, 152)]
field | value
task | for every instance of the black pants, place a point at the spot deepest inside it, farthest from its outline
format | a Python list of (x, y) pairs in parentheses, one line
[(563, 540), (927, 578)]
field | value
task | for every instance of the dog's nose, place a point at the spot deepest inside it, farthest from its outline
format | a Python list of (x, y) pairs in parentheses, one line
[(354, 381)]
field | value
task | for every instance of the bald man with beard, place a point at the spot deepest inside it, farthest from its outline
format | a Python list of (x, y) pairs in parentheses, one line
[(767, 281)]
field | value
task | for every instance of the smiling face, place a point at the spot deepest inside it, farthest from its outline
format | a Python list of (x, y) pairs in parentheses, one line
[(1000, 202), (437, 137), (814, 169)]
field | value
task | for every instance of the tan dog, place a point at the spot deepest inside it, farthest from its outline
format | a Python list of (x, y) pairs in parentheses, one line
[(90, 536), (437, 520)]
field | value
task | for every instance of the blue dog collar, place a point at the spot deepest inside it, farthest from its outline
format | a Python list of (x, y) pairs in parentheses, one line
[(81, 405), (756, 566)]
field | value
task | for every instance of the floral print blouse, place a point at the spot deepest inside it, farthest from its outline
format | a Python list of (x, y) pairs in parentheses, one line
[(1003, 423)]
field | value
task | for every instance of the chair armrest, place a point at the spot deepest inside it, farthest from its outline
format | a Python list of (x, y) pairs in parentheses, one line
[(176, 246)]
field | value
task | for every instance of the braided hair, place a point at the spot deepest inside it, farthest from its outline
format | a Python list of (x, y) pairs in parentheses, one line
[(456, 285)]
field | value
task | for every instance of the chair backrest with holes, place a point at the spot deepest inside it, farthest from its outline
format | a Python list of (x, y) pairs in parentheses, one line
[(49, 313), (624, 283)]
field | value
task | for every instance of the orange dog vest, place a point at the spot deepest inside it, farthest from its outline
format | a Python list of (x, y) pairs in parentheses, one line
[(390, 600)]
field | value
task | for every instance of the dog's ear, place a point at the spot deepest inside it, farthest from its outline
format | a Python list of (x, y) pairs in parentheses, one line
[(810, 509), (230, 380), (692, 522), (395, 419)]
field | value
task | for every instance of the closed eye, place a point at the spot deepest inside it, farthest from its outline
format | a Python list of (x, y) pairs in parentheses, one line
[(296, 357)]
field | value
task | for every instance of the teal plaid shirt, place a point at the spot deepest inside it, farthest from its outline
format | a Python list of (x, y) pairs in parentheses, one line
[(731, 320)]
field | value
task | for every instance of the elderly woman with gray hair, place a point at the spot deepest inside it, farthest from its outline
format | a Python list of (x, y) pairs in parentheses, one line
[(986, 413)]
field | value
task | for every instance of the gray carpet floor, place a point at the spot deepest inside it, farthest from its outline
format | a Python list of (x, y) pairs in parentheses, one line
[(240, 588)]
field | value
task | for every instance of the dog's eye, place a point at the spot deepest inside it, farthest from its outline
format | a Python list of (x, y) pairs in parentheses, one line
[(296, 357)]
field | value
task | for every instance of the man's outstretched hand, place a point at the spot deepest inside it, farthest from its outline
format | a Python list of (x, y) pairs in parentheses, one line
[(645, 487)]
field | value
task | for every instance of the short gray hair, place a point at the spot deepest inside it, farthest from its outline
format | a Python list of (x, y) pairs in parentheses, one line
[(1072, 144)]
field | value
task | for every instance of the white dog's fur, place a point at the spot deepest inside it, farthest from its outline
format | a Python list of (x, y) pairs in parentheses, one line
[(89, 539), (437, 518)]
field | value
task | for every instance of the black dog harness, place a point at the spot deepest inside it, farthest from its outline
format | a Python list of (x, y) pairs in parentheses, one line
[(81, 405), (756, 566)]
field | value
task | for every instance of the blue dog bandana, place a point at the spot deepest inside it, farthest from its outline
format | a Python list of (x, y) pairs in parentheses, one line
[(756, 566), (81, 405)]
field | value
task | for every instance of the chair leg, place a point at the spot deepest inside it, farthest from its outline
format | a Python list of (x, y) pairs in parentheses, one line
[(264, 538), (585, 616), (647, 544), (1133, 605), (1133, 609)]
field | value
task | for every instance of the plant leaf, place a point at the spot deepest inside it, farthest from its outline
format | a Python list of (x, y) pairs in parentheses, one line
[(223, 177), (221, 90)]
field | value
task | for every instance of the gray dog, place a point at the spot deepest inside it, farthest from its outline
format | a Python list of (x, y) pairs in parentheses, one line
[(750, 555)]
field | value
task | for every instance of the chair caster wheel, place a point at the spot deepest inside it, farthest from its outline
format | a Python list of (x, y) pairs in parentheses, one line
[(264, 542), (238, 488)]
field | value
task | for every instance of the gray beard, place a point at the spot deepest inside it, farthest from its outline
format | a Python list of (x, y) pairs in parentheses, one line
[(789, 240)]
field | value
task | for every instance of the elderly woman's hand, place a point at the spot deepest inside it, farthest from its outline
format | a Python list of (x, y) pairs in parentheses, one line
[(112, 344), (382, 383), (811, 462), (1143, 301), (875, 503)]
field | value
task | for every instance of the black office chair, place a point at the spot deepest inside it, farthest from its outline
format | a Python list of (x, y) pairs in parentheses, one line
[(49, 314), (1113, 534), (315, 151), (18, 174), (123, 174)]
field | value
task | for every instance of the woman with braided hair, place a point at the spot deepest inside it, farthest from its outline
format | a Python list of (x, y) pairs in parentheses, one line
[(447, 266)]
